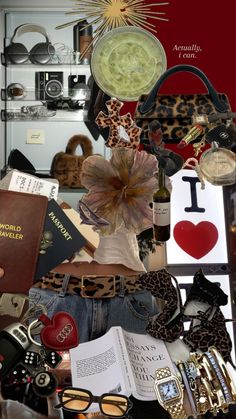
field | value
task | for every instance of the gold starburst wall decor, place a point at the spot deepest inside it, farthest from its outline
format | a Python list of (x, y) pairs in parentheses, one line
[(110, 14)]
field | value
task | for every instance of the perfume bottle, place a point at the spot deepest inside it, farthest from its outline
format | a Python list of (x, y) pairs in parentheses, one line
[(218, 165)]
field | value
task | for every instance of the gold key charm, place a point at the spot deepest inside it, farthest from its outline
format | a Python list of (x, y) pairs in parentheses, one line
[(197, 147)]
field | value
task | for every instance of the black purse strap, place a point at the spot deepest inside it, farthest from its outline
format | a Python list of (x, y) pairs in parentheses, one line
[(220, 105)]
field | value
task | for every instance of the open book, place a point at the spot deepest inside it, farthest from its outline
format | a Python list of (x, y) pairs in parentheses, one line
[(119, 362)]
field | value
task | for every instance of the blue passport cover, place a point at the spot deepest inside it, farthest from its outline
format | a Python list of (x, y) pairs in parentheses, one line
[(60, 239)]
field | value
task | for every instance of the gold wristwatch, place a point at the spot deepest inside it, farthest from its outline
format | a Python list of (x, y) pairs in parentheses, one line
[(170, 393)]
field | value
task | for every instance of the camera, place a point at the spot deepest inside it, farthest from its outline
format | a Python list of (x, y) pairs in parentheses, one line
[(79, 95), (48, 85), (64, 103)]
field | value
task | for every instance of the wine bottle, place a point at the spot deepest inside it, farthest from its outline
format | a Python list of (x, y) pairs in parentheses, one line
[(161, 209)]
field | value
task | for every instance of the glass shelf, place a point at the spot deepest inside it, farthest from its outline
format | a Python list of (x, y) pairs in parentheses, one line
[(30, 94), (58, 59), (16, 92), (13, 115)]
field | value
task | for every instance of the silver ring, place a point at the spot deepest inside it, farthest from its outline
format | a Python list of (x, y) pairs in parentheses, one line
[(29, 332)]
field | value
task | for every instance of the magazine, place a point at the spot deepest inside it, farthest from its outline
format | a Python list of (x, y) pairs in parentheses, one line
[(119, 362)]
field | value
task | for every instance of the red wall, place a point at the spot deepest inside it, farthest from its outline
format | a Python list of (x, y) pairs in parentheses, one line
[(209, 24)]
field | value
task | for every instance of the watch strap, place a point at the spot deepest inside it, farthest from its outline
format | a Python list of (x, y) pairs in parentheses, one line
[(163, 373), (177, 411)]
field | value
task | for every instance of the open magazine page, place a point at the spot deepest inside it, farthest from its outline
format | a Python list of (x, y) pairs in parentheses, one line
[(99, 365), (146, 354)]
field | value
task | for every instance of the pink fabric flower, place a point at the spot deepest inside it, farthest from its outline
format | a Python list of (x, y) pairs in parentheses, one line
[(121, 189)]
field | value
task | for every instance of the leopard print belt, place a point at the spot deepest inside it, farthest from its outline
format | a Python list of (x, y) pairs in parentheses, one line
[(91, 286)]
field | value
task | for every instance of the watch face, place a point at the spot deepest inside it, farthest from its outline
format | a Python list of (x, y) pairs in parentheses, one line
[(168, 390)]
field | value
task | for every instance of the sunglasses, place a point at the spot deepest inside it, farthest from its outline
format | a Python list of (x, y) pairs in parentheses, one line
[(78, 400)]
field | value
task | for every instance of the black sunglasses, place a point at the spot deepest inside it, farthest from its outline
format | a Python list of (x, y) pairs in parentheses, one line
[(78, 400)]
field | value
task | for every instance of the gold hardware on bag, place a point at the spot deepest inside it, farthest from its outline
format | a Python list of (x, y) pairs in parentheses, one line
[(198, 147)]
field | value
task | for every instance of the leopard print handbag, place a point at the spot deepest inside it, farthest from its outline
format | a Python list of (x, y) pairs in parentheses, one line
[(66, 166), (174, 112)]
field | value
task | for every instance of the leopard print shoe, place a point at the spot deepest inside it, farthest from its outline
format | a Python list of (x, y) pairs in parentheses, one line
[(168, 325), (208, 327), (211, 331)]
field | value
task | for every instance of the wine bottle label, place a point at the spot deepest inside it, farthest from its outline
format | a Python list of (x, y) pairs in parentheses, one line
[(161, 213)]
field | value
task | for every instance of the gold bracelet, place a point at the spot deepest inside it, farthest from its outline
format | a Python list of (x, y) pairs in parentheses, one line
[(198, 389), (205, 378), (202, 392), (189, 392), (201, 397), (220, 376), (214, 354), (215, 384)]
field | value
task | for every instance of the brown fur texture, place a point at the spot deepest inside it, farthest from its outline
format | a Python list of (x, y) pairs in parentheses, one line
[(66, 166)]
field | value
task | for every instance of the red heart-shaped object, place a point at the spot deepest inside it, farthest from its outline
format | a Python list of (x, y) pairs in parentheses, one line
[(61, 334), (196, 240)]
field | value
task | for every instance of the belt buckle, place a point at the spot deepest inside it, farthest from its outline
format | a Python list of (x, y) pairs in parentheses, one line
[(93, 287)]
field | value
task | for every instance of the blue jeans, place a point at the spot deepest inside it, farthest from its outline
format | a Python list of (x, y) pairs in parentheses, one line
[(94, 317)]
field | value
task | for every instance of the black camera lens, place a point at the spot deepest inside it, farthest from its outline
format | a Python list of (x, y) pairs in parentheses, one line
[(54, 89)]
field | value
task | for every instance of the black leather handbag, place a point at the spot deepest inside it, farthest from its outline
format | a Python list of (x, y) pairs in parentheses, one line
[(174, 112)]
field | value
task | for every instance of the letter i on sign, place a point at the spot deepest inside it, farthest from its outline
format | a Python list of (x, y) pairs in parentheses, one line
[(197, 222)]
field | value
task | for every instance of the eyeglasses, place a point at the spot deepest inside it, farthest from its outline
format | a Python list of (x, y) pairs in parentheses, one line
[(78, 400)]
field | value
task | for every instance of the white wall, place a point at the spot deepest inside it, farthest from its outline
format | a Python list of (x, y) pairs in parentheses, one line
[(36, 4)]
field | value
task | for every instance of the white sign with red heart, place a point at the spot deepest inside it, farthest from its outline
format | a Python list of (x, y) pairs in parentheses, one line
[(197, 222)]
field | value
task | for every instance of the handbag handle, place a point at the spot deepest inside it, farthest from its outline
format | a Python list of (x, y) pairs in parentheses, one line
[(83, 141), (220, 105)]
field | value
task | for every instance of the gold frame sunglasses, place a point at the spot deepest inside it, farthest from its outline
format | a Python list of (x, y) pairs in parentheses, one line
[(79, 400)]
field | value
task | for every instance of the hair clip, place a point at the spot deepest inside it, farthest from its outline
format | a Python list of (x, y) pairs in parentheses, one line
[(89, 217)]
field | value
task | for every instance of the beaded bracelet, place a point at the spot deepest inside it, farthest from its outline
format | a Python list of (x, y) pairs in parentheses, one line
[(216, 368), (215, 384), (223, 371)]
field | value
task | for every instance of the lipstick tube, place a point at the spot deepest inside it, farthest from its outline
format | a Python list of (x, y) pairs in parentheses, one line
[(194, 132)]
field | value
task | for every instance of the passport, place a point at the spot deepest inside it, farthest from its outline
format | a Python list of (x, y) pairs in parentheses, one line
[(60, 239)]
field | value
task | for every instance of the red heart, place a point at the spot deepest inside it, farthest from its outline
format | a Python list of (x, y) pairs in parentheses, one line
[(61, 334), (196, 240)]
